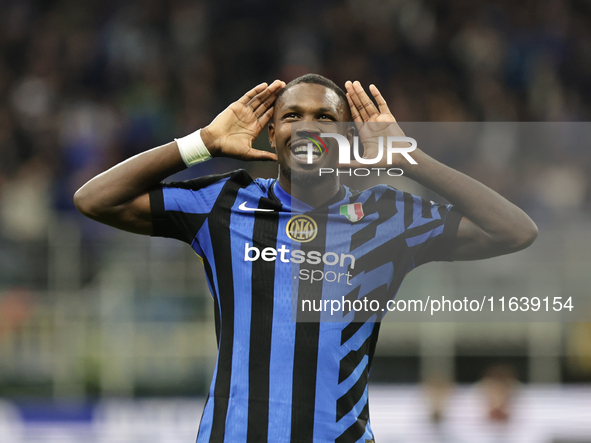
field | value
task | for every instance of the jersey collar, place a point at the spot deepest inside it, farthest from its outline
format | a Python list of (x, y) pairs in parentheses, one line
[(294, 204)]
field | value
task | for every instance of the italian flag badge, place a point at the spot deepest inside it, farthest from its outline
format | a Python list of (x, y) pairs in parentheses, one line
[(353, 212)]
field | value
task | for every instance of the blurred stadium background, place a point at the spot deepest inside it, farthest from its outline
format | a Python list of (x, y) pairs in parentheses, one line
[(109, 337)]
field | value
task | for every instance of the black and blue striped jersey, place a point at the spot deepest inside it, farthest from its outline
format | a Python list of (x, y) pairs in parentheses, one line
[(284, 373)]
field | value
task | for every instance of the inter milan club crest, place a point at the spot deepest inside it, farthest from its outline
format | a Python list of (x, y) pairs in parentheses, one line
[(353, 212), (301, 228)]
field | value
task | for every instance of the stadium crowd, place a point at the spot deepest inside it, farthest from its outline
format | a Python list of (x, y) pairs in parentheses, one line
[(84, 85)]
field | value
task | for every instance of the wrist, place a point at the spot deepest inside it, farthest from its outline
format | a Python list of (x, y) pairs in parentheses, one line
[(208, 141), (192, 149)]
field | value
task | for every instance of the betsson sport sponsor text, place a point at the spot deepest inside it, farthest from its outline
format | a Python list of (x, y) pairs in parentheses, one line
[(297, 256)]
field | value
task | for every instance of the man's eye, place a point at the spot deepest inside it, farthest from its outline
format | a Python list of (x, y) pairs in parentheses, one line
[(326, 117), (291, 115)]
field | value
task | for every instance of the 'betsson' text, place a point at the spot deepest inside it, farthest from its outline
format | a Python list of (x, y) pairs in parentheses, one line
[(252, 253)]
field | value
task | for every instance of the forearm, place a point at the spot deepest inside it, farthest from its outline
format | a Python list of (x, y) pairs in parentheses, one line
[(128, 180), (502, 221)]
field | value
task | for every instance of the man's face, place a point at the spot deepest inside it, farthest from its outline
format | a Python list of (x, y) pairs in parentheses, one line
[(315, 109)]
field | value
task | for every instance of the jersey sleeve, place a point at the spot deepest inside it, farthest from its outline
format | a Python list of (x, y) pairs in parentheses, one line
[(431, 229), (179, 209)]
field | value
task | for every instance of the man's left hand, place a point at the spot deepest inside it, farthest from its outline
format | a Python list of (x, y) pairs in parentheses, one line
[(373, 122)]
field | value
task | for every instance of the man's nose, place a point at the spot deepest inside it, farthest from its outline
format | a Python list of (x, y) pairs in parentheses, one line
[(311, 126), (301, 133)]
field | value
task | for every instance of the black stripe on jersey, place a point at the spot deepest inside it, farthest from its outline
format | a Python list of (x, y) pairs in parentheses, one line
[(351, 297), (391, 250), (350, 361), (201, 182), (263, 282), (408, 209), (426, 210), (305, 367), (382, 295), (350, 399), (372, 346), (216, 306), (385, 212), (442, 245), (305, 364), (423, 229), (219, 221), (185, 225), (350, 330), (357, 429), (354, 196), (346, 403)]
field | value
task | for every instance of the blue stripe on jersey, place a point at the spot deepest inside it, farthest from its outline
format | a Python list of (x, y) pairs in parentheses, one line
[(282, 338), (291, 204), (196, 245), (350, 381), (197, 248), (372, 279), (386, 230), (206, 419), (414, 241), (353, 415), (206, 247), (188, 201)]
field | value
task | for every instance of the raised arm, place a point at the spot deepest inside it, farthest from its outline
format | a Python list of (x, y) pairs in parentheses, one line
[(119, 197), (491, 224)]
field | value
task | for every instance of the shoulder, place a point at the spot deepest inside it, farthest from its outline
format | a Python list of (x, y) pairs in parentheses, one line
[(379, 192), (237, 176), (205, 192), (264, 183), (198, 195)]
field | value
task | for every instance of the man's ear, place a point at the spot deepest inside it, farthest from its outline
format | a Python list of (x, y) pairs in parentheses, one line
[(271, 129), (350, 133)]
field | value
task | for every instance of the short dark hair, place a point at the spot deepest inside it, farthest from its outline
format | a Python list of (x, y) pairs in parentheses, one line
[(316, 79)]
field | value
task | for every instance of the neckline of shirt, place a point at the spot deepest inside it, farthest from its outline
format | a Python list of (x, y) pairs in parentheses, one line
[(294, 204)]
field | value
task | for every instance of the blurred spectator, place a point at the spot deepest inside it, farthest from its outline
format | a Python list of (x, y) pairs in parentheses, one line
[(15, 310), (438, 389), (498, 387), (24, 202)]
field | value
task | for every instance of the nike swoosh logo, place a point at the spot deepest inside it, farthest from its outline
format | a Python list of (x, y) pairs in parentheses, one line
[(243, 207)]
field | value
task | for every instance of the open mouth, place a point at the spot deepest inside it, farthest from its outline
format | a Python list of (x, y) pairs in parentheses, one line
[(301, 151)]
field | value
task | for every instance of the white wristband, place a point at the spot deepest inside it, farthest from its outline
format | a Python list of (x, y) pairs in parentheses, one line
[(193, 149)]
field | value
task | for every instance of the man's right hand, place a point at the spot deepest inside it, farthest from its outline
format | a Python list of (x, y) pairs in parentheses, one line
[(119, 197), (232, 132)]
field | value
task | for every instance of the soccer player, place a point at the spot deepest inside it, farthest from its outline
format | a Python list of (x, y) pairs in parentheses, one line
[(278, 380)]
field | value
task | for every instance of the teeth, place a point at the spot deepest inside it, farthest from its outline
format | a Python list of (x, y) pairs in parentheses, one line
[(301, 151), (305, 149)]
